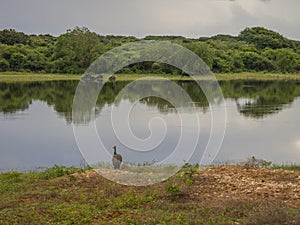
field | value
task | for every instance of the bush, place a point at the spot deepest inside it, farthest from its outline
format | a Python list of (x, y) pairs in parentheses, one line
[(184, 178), (59, 171), (4, 65), (173, 189)]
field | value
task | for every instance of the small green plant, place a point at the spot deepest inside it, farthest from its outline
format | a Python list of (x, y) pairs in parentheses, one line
[(287, 167), (188, 172), (173, 189), (59, 171), (266, 163), (11, 175), (184, 177)]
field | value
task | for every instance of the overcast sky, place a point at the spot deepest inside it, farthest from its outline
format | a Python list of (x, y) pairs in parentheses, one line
[(190, 18)]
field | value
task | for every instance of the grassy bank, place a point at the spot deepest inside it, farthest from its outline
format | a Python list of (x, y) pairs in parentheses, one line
[(25, 77), (10, 77), (220, 77), (215, 195)]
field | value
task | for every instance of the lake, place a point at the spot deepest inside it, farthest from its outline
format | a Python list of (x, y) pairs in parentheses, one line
[(37, 129)]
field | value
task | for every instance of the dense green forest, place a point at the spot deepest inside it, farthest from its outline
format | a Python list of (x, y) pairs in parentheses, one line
[(253, 50)]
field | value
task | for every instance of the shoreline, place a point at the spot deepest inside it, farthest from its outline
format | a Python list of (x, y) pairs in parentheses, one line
[(295, 167), (10, 77), (229, 194)]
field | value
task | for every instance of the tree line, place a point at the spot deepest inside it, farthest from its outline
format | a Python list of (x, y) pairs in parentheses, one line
[(255, 49)]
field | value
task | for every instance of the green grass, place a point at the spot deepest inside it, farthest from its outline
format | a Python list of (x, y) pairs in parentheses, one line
[(258, 76), (57, 196), (220, 77), (287, 167), (29, 77), (25, 77)]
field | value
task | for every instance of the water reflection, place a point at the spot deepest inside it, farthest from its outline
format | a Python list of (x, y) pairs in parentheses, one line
[(254, 99), (36, 117)]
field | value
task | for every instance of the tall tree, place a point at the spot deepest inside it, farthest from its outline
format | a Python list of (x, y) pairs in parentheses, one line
[(76, 50)]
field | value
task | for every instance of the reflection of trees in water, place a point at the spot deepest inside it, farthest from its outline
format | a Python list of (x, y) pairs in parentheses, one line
[(261, 98), (18, 96), (84, 110)]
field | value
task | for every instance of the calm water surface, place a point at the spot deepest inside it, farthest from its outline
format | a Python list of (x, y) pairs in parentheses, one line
[(36, 123)]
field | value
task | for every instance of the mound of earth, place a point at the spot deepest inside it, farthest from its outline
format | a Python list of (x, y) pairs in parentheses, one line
[(235, 182)]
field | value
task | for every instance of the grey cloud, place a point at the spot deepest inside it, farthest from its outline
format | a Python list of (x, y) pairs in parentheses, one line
[(191, 18)]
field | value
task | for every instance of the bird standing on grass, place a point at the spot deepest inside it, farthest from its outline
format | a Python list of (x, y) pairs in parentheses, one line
[(117, 159)]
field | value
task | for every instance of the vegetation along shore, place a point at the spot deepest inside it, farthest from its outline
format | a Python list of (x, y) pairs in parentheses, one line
[(10, 77), (233, 194)]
